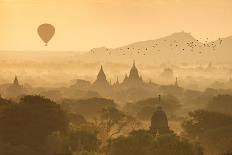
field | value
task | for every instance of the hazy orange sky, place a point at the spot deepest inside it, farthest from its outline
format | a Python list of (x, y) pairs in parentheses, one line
[(85, 24)]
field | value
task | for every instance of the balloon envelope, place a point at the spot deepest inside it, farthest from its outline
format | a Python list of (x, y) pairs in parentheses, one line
[(46, 32)]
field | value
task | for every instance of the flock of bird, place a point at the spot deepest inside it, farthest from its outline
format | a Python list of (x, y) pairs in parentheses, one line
[(174, 45)]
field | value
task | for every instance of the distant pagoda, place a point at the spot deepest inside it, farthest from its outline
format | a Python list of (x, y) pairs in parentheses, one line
[(134, 74), (15, 85), (159, 122), (134, 79), (101, 81), (15, 89)]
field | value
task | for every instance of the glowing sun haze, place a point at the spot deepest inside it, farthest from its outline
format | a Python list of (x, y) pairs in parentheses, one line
[(85, 24)]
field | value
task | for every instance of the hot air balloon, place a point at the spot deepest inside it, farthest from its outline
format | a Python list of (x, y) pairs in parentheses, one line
[(46, 32)]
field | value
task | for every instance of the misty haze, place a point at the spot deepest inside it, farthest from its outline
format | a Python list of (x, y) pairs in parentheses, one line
[(146, 77)]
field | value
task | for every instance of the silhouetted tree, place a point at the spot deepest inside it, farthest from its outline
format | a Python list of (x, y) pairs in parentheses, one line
[(76, 119), (146, 113), (133, 123), (221, 103), (5, 104), (211, 129), (5, 101), (88, 108), (228, 153), (171, 144), (141, 142), (82, 140), (8, 149), (31, 121), (136, 143), (112, 121), (141, 108), (57, 143), (89, 153)]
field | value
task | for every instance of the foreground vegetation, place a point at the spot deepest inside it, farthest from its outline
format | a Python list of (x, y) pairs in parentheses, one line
[(36, 125)]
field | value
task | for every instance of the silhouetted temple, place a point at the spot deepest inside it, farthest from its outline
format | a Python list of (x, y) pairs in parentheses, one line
[(134, 79), (16, 82), (15, 89), (101, 81), (159, 122)]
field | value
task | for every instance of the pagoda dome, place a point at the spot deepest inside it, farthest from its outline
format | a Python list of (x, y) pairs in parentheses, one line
[(159, 122)]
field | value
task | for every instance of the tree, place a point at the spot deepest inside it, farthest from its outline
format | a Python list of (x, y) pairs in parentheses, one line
[(5, 104), (5, 101), (141, 142), (89, 108), (228, 153), (171, 144), (112, 121), (89, 153), (136, 143), (76, 119), (31, 121), (82, 140), (221, 103), (8, 149), (77, 140), (57, 143), (211, 129), (133, 123), (146, 113), (143, 109)]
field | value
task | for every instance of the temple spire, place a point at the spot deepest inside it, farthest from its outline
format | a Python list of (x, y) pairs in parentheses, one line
[(101, 80), (159, 97), (101, 75), (16, 82), (176, 83), (117, 82), (159, 121), (134, 75), (101, 69)]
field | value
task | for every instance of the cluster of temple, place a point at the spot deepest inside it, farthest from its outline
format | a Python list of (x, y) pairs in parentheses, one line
[(159, 121), (133, 80)]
